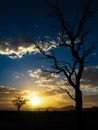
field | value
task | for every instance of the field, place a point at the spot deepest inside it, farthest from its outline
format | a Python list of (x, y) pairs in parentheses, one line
[(54, 120)]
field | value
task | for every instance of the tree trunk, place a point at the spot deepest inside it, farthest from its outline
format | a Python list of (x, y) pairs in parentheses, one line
[(18, 108), (78, 96)]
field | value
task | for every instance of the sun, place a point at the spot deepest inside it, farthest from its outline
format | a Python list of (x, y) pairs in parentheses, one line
[(34, 99)]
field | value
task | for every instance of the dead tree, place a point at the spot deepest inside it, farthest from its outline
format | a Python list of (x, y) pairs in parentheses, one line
[(71, 38)]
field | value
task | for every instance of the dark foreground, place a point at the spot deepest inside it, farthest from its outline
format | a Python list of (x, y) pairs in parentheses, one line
[(12, 120)]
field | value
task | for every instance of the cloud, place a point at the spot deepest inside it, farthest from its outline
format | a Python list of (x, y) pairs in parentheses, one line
[(16, 51), (6, 89), (50, 82), (16, 48), (35, 73), (90, 74), (90, 100), (39, 73), (17, 75), (89, 81), (42, 77), (11, 91)]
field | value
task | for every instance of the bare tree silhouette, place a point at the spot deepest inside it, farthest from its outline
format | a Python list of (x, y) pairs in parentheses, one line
[(73, 39), (18, 102)]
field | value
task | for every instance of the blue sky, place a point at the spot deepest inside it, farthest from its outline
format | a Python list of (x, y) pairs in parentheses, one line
[(22, 17), (19, 60)]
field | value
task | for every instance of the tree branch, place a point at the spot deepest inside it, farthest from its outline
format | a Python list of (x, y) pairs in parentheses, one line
[(83, 19), (59, 15), (68, 93)]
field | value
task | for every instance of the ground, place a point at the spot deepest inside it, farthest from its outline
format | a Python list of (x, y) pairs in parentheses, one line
[(47, 120)]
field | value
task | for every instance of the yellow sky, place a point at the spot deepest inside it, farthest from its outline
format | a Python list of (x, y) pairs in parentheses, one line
[(40, 98)]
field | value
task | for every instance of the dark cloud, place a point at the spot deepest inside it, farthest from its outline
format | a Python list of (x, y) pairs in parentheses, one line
[(90, 100), (3, 89), (90, 76), (10, 92), (16, 48)]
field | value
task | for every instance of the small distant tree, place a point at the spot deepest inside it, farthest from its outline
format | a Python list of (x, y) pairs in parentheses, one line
[(18, 102)]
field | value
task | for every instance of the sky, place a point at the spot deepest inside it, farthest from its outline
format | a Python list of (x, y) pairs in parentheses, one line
[(20, 61)]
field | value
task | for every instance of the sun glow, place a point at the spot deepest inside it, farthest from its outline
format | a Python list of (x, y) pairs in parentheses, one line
[(34, 99)]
